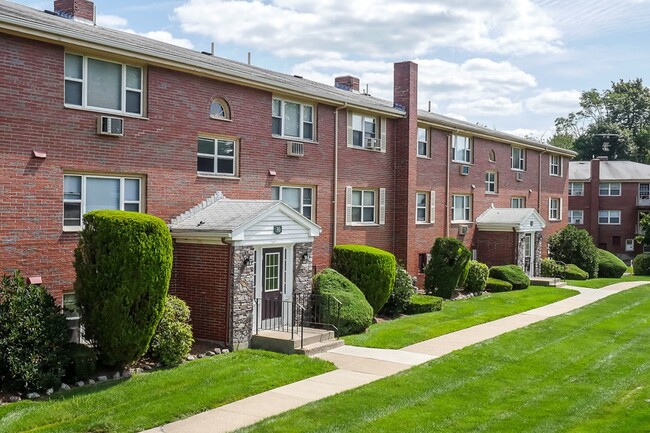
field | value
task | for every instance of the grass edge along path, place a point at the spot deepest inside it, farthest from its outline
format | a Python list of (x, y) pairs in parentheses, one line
[(599, 283), (153, 399), (456, 315), (583, 371)]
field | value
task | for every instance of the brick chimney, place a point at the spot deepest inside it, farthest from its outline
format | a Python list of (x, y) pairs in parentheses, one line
[(347, 82), (79, 10)]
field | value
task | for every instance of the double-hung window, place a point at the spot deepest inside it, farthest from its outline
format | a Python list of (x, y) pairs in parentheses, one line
[(301, 199), (216, 156), (292, 119), (576, 217), (609, 217), (576, 188), (424, 148), (609, 188), (102, 85), (461, 149), (517, 202), (518, 156), (491, 185), (461, 210), (365, 206), (364, 131), (644, 191), (555, 209), (555, 165), (85, 193), (425, 211)]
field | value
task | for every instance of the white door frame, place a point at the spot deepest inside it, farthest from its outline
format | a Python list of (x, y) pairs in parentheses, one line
[(287, 280)]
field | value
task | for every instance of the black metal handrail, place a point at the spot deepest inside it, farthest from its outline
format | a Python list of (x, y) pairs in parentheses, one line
[(560, 270)]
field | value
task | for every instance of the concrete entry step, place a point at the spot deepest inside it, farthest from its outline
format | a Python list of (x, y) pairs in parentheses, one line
[(320, 347), (546, 281), (282, 342)]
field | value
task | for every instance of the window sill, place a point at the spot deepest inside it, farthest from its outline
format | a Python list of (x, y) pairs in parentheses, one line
[(423, 156), (70, 229), (105, 112), (221, 119), (462, 162), (366, 149), (302, 140), (217, 176), (423, 223), (358, 224), (491, 193), (518, 170), (461, 222)]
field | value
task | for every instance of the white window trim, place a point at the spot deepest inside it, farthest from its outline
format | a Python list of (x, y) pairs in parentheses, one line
[(609, 189), (558, 209), (216, 157), (629, 243), (470, 148), (557, 165), (302, 189), (380, 132), (379, 206), (301, 121), (427, 137), (466, 209), (523, 202), (609, 217), (521, 161), (429, 206), (493, 182), (572, 217), (572, 190)]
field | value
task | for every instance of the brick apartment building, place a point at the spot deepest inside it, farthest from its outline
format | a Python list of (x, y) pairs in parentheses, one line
[(608, 199), (98, 118)]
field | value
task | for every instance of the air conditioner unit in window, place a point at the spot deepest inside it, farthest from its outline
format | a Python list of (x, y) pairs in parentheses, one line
[(577, 221), (520, 176), (295, 148), (373, 143), (462, 230), (110, 126), (464, 170)]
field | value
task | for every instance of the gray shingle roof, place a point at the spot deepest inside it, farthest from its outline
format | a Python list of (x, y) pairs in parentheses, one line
[(222, 215), (505, 216), (620, 171)]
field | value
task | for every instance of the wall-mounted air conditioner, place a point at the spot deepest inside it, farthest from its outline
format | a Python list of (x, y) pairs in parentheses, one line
[(110, 126), (373, 143), (462, 230), (295, 148)]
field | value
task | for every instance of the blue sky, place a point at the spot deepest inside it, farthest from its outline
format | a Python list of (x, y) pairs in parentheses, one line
[(512, 65)]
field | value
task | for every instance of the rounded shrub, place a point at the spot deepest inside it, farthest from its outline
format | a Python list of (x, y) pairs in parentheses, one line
[(33, 337), (549, 268), (419, 304), (610, 266), (495, 285), (512, 274), (123, 264), (402, 291), (572, 272), (372, 270), (642, 264), (447, 268), (573, 245), (355, 314), (477, 276), (173, 338)]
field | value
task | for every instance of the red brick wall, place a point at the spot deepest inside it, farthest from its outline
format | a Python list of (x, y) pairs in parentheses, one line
[(201, 278), (496, 248)]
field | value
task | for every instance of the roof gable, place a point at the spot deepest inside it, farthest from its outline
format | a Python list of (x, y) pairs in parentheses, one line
[(509, 219)]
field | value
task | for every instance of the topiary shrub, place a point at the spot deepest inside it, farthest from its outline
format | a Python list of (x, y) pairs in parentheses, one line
[(83, 362), (419, 304), (573, 245), (173, 339), (123, 265), (33, 337), (572, 272), (495, 285), (642, 264), (477, 276), (402, 291), (372, 270), (448, 266), (609, 266), (512, 274), (355, 314), (549, 268)]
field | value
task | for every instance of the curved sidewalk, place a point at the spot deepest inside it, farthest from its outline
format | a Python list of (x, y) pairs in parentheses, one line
[(359, 365)]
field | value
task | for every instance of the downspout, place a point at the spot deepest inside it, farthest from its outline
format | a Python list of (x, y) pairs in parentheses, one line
[(336, 171), (447, 192), (539, 184)]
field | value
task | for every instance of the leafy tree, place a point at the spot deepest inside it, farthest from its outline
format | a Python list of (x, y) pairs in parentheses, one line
[(573, 245)]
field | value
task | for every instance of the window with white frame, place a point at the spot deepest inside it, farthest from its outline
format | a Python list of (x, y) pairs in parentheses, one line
[(644, 191), (461, 149), (576, 217), (555, 165), (424, 148), (609, 189), (300, 198), (576, 188), (364, 131), (518, 156), (609, 217), (555, 209), (461, 209), (518, 202), (216, 156), (425, 211), (70, 306), (292, 119), (365, 206), (85, 193), (99, 84), (629, 245), (219, 109), (491, 184)]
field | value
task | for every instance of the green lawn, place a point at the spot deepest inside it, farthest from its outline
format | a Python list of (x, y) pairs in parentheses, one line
[(597, 283), (148, 400), (587, 371), (455, 315)]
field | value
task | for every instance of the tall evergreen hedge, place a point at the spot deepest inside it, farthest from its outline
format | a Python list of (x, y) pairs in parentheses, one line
[(609, 266), (573, 245), (372, 270), (123, 264), (448, 267)]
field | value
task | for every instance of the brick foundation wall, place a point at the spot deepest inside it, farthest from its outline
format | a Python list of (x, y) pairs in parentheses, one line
[(496, 248)]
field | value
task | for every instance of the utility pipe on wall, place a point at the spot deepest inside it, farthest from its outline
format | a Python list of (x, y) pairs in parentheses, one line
[(336, 171)]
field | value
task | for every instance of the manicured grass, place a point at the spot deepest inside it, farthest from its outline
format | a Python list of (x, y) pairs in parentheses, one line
[(587, 371), (455, 315), (597, 283), (149, 400)]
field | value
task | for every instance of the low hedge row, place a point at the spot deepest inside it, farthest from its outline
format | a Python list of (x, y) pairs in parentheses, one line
[(495, 285), (513, 274), (419, 304)]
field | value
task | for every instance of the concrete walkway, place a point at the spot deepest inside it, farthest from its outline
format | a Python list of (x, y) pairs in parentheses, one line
[(358, 366)]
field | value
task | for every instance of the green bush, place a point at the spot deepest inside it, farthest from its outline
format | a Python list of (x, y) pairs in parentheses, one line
[(123, 264), (477, 276), (402, 291), (512, 274), (419, 304), (356, 312), (495, 285), (33, 337), (447, 268), (610, 266), (642, 264), (173, 339), (572, 272), (83, 362), (573, 245), (549, 268), (372, 270)]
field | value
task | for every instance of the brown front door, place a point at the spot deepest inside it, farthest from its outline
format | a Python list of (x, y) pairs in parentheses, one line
[(272, 275)]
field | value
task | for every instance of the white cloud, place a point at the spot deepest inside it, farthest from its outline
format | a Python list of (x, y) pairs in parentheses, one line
[(119, 23), (501, 106), (112, 21), (554, 102), (529, 133)]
